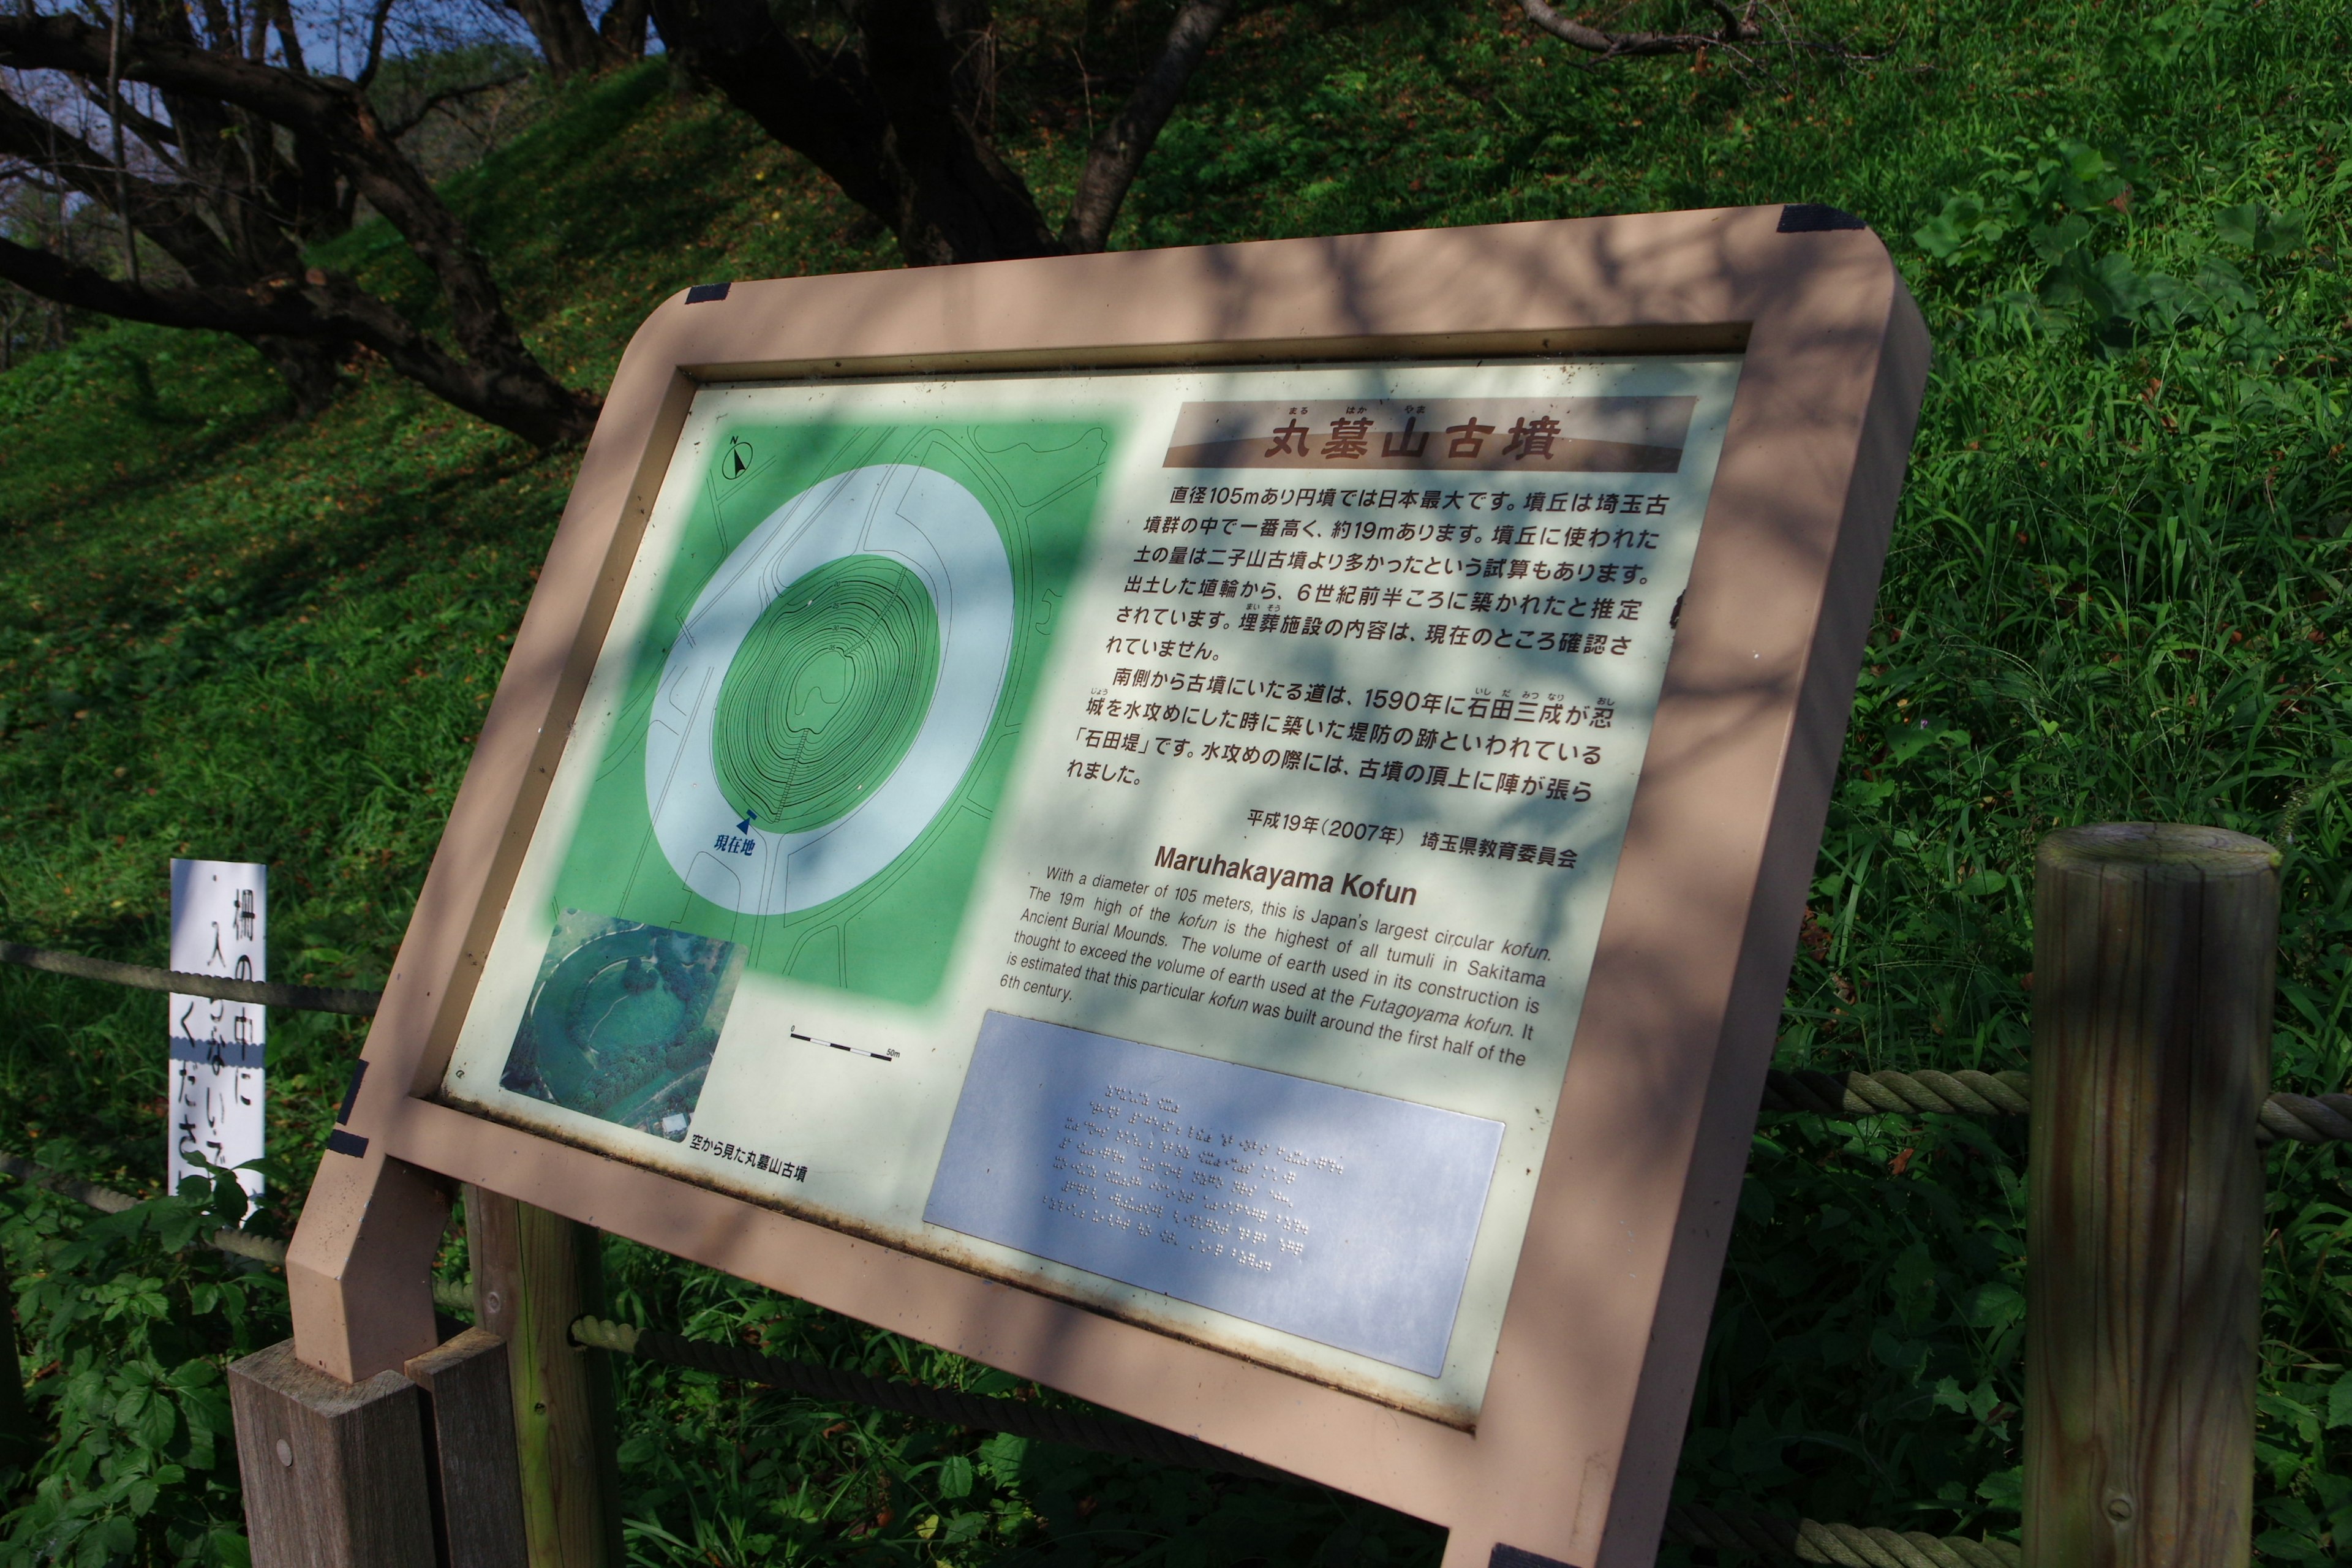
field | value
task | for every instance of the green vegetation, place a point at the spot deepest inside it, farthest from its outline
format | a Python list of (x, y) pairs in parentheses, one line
[(2118, 591)]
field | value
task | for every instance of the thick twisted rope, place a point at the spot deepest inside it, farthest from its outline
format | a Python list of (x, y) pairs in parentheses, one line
[(263, 1249), (1134, 1439), (1846, 1545), (106, 1200), (1850, 1094), (220, 987), (2298, 1118), (2307, 1119)]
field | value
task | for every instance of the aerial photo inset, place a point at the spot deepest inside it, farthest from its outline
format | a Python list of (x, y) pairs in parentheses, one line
[(623, 1020)]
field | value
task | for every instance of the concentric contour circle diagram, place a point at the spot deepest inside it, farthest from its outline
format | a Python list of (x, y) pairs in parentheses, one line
[(830, 689)]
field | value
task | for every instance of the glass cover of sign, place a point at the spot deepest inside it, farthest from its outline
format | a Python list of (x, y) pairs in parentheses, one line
[(1138, 836)]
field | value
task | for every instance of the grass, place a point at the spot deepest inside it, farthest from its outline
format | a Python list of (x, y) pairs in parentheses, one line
[(2117, 592)]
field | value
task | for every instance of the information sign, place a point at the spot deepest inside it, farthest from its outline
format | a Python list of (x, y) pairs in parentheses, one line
[(220, 925), (1219, 828), (1002, 802)]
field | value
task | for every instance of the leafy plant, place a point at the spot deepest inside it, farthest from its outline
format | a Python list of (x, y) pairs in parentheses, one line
[(129, 1325), (2070, 206)]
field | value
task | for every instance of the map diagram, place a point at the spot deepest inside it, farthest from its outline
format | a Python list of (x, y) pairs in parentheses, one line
[(830, 690), (827, 697)]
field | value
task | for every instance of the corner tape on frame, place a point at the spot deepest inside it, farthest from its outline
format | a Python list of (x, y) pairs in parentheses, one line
[(1816, 218), (1518, 1557), (351, 1095)]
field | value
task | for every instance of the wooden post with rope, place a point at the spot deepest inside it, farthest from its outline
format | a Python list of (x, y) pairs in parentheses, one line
[(534, 1273), (2154, 955)]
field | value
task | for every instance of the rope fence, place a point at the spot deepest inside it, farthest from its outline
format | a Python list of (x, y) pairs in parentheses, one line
[(1800, 1541), (219, 987), (2283, 1118), (1844, 1095), (2294, 1118), (810, 1380), (263, 1249), (1847, 1545)]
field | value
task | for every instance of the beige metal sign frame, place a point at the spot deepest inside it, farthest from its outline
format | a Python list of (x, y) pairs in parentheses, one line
[(1573, 1452)]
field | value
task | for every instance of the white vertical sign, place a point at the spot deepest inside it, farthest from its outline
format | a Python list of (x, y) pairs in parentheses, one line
[(220, 913)]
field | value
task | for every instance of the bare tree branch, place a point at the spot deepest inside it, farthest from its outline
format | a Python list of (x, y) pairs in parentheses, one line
[(377, 20), (878, 111), (335, 134), (448, 95), (279, 313), (114, 121), (1737, 27), (70, 283), (152, 131), (332, 111), (1119, 153), (143, 204), (289, 38), (220, 27), (951, 180)]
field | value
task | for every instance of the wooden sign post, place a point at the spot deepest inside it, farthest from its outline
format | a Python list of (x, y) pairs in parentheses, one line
[(2156, 948), (220, 925), (1222, 829)]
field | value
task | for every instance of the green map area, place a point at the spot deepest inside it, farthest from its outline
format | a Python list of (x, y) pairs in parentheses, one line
[(822, 700)]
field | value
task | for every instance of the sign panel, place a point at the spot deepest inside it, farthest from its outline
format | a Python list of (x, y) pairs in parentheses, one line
[(1222, 829), (220, 925), (1141, 836), (1206, 1182)]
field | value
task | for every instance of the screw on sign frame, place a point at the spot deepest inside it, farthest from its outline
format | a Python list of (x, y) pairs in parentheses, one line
[(1570, 1455)]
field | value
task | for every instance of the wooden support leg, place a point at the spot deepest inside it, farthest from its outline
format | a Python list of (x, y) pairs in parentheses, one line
[(19, 1438), (358, 1274), (2154, 949), (534, 1273), (333, 1472), (470, 1447)]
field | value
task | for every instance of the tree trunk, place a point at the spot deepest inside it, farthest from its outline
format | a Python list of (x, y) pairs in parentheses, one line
[(623, 29), (902, 123), (568, 42), (310, 368), (240, 252), (883, 124), (1119, 153)]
